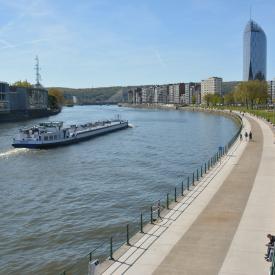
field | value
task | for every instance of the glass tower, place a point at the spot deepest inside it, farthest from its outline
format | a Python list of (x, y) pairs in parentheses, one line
[(254, 52)]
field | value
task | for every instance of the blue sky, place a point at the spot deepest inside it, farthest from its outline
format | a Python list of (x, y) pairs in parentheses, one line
[(92, 43)]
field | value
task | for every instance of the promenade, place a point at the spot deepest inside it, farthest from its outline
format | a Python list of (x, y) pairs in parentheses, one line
[(220, 226)]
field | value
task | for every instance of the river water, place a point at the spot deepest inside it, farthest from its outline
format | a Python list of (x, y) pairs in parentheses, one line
[(59, 204)]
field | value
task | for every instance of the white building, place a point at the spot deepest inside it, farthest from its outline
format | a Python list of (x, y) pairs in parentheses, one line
[(161, 94), (192, 93), (189, 91), (147, 94), (174, 93), (212, 85)]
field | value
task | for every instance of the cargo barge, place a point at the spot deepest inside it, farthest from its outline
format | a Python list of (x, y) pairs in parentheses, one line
[(53, 134)]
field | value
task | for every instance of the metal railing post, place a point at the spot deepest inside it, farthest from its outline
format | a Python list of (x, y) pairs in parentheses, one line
[(175, 194), (152, 215), (127, 234), (167, 200), (141, 223), (182, 188), (111, 248), (90, 256), (205, 168), (197, 174), (193, 182), (201, 172), (188, 183)]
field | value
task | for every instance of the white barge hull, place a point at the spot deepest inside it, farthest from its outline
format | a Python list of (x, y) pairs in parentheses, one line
[(85, 135)]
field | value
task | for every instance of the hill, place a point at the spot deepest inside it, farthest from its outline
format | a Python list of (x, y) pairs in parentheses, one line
[(112, 95)]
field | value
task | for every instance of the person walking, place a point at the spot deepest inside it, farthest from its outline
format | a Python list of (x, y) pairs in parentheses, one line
[(241, 137), (270, 247), (250, 136), (246, 135)]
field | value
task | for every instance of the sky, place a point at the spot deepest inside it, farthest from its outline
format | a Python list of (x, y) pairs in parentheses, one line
[(96, 43)]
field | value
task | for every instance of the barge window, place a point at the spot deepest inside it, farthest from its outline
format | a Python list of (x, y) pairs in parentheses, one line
[(50, 137), (46, 138)]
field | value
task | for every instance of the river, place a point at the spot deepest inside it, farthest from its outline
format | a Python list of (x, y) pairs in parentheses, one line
[(58, 204)]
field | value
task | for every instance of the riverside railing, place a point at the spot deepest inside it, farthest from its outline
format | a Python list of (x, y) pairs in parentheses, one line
[(150, 215)]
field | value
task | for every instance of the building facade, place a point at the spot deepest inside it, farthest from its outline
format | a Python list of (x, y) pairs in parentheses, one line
[(4, 97), (192, 93), (212, 85), (174, 93), (148, 94), (271, 91), (135, 96), (161, 94), (14, 98), (254, 52)]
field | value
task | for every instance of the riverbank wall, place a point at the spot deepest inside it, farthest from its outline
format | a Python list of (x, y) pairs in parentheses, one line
[(14, 116)]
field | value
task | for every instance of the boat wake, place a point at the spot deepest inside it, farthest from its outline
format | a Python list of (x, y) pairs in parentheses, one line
[(131, 125), (13, 152)]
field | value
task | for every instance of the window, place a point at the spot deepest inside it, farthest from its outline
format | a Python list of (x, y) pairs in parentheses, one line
[(46, 138)]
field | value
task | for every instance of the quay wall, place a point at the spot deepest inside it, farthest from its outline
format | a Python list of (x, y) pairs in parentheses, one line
[(27, 114)]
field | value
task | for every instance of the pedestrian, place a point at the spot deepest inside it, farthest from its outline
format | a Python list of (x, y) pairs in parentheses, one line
[(241, 137), (250, 136), (270, 247), (246, 135)]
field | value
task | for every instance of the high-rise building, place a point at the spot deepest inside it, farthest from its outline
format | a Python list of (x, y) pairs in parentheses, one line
[(161, 94), (212, 85), (135, 96), (174, 93), (254, 52), (147, 94), (192, 93)]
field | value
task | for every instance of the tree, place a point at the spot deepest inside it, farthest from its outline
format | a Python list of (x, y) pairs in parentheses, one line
[(251, 93), (207, 98), (24, 84), (229, 98), (58, 95), (52, 102), (194, 99)]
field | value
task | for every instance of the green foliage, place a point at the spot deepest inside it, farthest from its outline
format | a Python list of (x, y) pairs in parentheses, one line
[(58, 95), (213, 99), (24, 84), (250, 93), (193, 99), (52, 102), (229, 98)]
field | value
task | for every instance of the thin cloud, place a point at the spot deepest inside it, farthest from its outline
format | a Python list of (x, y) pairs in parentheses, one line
[(7, 45), (159, 59)]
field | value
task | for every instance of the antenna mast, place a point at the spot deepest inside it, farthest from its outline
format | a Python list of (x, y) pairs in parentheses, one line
[(37, 71)]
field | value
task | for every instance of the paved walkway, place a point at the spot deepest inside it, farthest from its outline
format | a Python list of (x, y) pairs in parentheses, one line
[(220, 226), (245, 255), (203, 247)]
